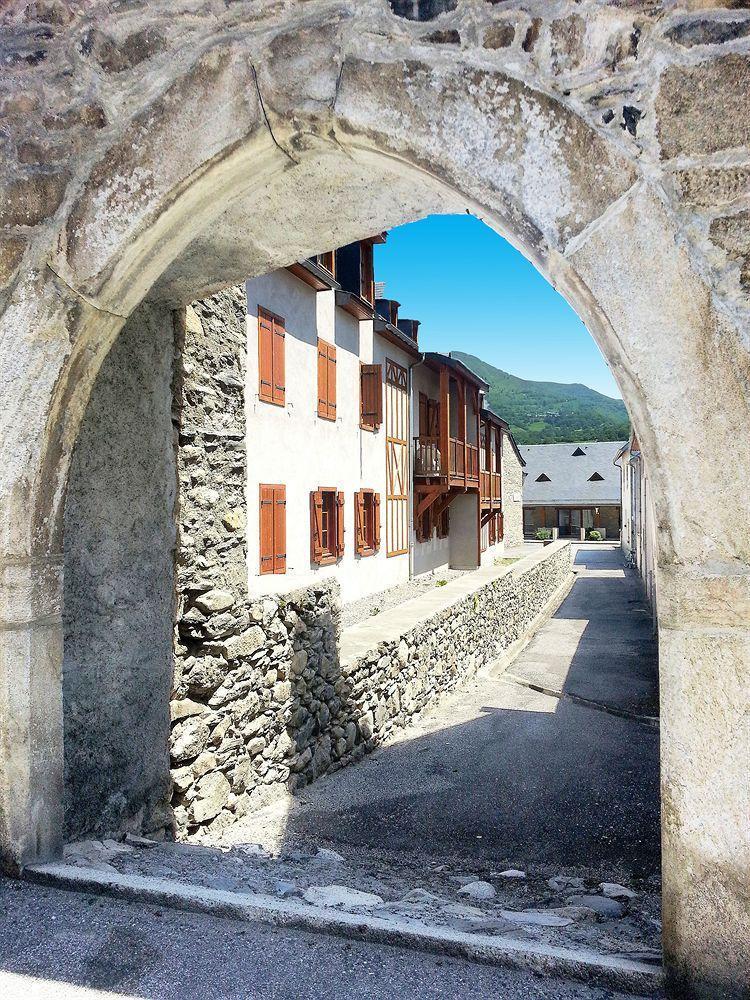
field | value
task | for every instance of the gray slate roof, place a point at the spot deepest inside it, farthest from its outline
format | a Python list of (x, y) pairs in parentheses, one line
[(569, 476)]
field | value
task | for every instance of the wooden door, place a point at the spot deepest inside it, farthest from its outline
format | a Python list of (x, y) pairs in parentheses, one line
[(396, 459)]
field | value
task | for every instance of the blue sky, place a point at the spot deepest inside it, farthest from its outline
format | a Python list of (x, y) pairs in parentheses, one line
[(474, 292)]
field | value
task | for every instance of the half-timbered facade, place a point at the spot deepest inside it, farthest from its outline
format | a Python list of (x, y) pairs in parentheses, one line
[(368, 460)]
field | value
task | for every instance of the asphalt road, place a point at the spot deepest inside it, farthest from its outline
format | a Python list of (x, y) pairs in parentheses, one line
[(502, 773), (56, 945)]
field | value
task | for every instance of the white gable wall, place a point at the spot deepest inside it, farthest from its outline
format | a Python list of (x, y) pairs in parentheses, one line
[(292, 446)]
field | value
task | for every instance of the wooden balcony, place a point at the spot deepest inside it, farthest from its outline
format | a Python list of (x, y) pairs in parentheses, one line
[(427, 457), (490, 489), (463, 461)]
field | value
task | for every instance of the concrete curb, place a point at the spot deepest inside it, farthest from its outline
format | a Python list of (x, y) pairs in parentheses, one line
[(602, 970)]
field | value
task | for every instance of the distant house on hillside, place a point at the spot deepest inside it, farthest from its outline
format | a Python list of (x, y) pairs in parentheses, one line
[(573, 488)]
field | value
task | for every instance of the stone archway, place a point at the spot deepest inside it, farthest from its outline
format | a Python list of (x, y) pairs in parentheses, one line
[(184, 151)]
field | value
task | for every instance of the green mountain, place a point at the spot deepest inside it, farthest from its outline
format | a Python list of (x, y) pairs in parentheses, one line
[(547, 412)]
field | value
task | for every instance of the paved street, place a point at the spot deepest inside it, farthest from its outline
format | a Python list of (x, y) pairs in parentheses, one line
[(56, 945), (503, 773)]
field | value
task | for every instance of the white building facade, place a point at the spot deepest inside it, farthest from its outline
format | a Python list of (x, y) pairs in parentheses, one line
[(367, 460)]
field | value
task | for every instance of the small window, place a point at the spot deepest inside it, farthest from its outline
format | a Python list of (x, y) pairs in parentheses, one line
[(326, 526), (271, 361), (272, 529), (596, 478), (370, 396), (543, 478), (367, 514), (578, 453), (326, 380)]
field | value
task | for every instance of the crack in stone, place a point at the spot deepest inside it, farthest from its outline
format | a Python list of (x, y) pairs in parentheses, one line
[(266, 118), (83, 298)]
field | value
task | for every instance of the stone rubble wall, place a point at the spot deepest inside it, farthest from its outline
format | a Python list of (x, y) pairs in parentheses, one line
[(401, 677), (270, 706), (261, 702)]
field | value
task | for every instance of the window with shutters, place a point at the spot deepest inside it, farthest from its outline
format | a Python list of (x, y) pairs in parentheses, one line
[(443, 524), (326, 380), (367, 518), (326, 525), (370, 396), (272, 529), (271, 374)]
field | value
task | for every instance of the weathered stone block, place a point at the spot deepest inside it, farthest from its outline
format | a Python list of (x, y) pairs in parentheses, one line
[(703, 109), (212, 794), (215, 600)]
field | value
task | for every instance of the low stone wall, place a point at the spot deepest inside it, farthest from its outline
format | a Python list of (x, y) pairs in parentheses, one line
[(278, 703)]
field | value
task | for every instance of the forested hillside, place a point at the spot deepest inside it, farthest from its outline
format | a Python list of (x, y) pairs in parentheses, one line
[(547, 412)]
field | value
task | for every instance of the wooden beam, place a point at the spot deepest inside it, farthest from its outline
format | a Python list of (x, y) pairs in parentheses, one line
[(429, 494), (445, 421)]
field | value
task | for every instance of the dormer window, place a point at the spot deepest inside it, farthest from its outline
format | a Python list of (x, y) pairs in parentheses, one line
[(355, 268), (543, 478), (578, 453), (328, 261), (367, 273), (596, 478)]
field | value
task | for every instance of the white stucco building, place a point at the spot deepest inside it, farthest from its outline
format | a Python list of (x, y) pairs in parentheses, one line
[(367, 459)]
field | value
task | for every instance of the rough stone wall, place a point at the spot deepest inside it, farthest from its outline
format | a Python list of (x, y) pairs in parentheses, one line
[(391, 683), (512, 482), (274, 708), (119, 537)]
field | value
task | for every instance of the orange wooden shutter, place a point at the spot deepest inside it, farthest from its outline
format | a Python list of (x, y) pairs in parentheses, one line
[(279, 367), (371, 395), (359, 521), (376, 520), (279, 529), (265, 356), (316, 526), (322, 378), (331, 382), (340, 524), (266, 529)]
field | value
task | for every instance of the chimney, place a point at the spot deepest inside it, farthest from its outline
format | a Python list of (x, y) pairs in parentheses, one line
[(410, 327)]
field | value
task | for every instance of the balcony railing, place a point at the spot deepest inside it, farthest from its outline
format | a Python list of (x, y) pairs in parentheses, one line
[(427, 458), (472, 462), (490, 486)]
